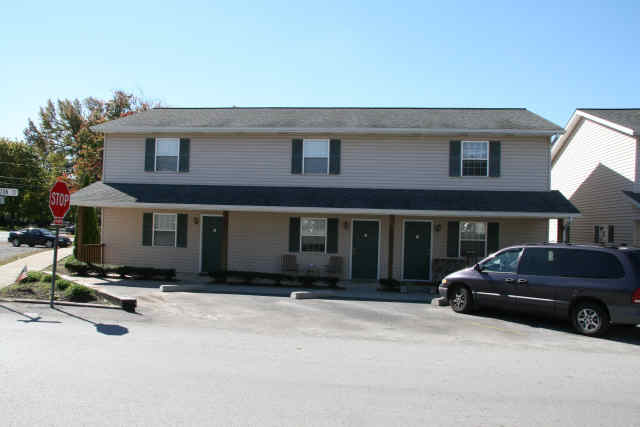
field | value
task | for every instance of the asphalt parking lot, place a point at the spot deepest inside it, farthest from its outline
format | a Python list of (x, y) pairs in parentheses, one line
[(219, 359), (7, 250)]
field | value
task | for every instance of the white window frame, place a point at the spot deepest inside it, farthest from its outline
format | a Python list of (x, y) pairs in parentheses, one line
[(326, 231), (175, 232), (155, 159), (486, 235), (462, 159), (326, 141)]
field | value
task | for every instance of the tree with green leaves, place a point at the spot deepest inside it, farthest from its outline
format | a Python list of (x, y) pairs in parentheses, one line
[(63, 135), (22, 168)]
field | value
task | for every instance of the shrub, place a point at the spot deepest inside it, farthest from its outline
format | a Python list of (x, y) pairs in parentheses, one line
[(33, 276), (62, 284), (147, 273), (79, 293)]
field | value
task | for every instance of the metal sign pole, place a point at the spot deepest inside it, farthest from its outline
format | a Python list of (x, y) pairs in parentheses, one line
[(55, 264)]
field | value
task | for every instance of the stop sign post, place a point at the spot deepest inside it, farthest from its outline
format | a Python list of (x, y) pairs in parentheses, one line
[(59, 200)]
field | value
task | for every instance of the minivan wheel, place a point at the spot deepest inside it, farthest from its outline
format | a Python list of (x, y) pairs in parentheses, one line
[(16, 242), (49, 243), (590, 319), (460, 299)]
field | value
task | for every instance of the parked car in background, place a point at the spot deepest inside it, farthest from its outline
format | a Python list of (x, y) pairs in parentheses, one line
[(37, 236), (71, 229), (593, 286)]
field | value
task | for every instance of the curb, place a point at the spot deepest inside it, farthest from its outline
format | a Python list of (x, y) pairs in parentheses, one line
[(67, 303), (126, 303)]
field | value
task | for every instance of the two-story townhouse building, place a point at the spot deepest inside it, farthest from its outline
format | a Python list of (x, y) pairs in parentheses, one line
[(595, 164), (389, 190)]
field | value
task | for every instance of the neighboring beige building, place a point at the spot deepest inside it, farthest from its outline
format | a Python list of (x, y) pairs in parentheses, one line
[(595, 164), (389, 191)]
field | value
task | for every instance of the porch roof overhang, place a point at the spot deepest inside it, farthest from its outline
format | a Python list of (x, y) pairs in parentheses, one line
[(633, 197), (453, 203)]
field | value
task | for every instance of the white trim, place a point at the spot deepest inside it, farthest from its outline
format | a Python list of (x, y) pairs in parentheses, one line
[(462, 159), (335, 131), (326, 232), (531, 298), (404, 224), (153, 230), (155, 154), (328, 154), (351, 245), (329, 211), (486, 237), (201, 237)]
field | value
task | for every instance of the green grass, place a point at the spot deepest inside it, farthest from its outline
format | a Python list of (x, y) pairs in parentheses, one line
[(37, 285)]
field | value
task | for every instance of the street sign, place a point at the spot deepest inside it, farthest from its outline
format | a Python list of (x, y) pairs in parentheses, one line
[(12, 192), (59, 201)]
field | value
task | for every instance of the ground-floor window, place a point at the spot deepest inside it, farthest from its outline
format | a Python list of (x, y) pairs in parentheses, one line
[(313, 234), (473, 239), (164, 229)]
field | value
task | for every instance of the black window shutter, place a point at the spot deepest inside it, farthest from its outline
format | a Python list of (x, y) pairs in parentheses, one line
[(493, 237), (185, 148), (611, 238), (181, 240), (332, 235), (453, 238), (147, 229), (149, 154), (296, 156), (334, 157), (596, 234), (494, 158), (294, 234), (454, 158)]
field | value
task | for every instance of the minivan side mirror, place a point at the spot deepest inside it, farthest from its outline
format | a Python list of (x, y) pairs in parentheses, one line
[(478, 267)]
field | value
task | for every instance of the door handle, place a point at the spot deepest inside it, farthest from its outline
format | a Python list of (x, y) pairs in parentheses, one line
[(522, 281), (509, 280)]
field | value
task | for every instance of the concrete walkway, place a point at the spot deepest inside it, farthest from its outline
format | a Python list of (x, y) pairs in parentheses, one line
[(9, 272)]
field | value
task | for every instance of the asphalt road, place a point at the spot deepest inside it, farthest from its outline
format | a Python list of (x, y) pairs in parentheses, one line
[(229, 360)]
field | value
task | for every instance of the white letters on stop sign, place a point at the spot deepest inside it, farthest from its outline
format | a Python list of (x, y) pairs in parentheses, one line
[(59, 199)]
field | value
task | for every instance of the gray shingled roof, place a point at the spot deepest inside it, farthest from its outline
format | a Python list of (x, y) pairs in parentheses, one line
[(101, 194), (274, 119), (627, 117)]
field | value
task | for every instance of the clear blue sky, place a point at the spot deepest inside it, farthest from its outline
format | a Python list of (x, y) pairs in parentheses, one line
[(550, 57)]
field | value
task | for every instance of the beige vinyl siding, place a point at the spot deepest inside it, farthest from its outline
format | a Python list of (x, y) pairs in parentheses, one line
[(122, 237), (373, 162), (594, 167), (257, 242)]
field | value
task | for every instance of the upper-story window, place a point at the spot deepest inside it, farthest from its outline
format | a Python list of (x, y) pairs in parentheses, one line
[(167, 152), (475, 158), (315, 154)]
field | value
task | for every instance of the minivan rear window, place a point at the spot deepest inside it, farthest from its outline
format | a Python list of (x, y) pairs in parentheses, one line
[(590, 264), (634, 256)]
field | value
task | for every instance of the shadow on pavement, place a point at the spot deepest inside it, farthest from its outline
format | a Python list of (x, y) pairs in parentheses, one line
[(102, 328), (627, 334), (29, 319)]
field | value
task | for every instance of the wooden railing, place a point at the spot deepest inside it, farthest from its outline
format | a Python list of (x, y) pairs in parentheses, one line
[(93, 253)]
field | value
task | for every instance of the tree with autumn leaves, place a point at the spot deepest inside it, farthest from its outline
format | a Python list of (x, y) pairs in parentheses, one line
[(63, 135), (59, 144)]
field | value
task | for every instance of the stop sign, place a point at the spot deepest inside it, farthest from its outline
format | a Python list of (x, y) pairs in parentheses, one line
[(59, 199)]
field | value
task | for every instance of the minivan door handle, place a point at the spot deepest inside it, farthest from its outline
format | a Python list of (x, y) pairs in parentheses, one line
[(522, 281), (508, 280)]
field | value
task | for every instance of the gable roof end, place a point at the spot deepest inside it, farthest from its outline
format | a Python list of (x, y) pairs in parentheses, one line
[(626, 120)]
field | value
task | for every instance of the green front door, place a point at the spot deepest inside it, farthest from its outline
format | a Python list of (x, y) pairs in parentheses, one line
[(211, 243), (364, 253), (417, 250)]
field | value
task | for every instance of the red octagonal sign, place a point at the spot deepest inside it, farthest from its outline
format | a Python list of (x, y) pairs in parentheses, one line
[(59, 199)]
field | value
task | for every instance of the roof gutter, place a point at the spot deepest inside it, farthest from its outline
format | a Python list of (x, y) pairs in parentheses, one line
[(346, 211), (296, 131)]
